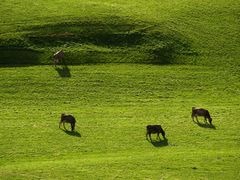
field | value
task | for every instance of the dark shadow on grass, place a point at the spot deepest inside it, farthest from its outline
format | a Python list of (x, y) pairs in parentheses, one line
[(157, 43), (72, 133), (205, 125), (19, 56), (110, 31), (159, 143), (63, 71)]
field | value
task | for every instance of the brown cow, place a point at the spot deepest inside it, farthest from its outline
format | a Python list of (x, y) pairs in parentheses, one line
[(154, 129), (67, 119), (58, 57), (201, 112)]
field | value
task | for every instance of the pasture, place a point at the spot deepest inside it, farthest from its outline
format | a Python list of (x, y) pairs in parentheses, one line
[(127, 64), (112, 104)]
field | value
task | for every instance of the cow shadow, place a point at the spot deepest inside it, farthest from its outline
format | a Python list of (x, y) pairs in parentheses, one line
[(72, 133), (63, 71), (159, 142), (205, 125)]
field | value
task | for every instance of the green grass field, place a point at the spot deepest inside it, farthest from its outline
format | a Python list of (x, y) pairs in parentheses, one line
[(128, 64), (153, 31)]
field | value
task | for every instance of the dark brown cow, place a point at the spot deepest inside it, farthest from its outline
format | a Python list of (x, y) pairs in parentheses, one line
[(154, 129), (58, 57), (67, 119), (201, 112)]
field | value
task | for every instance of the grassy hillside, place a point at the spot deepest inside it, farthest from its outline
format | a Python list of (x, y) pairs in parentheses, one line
[(112, 105), (128, 64), (153, 31)]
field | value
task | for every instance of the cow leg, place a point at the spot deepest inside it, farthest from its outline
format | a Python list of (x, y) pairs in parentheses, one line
[(64, 126), (60, 124), (210, 121), (54, 62), (146, 135), (196, 118), (72, 126), (150, 136), (205, 119), (193, 117)]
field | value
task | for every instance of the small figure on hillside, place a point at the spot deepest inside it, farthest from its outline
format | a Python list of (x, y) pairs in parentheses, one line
[(201, 112), (58, 57), (154, 129), (67, 119)]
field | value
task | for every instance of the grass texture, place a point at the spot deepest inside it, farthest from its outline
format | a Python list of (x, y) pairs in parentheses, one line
[(112, 105), (152, 32), (128, 64)]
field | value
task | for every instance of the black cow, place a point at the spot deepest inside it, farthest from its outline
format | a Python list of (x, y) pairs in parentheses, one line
[(154, 129), (201, 112), (67, 119)]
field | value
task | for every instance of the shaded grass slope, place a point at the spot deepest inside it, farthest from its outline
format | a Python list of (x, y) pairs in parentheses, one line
[(156, 32), (110, 40)]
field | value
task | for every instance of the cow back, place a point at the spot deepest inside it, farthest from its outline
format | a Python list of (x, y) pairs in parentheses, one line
[(59, 54), (200, 112), (68, 118), (154, 129)]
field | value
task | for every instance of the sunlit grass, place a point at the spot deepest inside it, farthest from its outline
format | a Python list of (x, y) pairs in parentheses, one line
[(150, 41), (112, 105)]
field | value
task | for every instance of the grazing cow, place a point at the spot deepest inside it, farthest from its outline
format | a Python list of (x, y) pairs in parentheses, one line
[(154, 129), (58, 57), (201, 112), (67, 119)]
